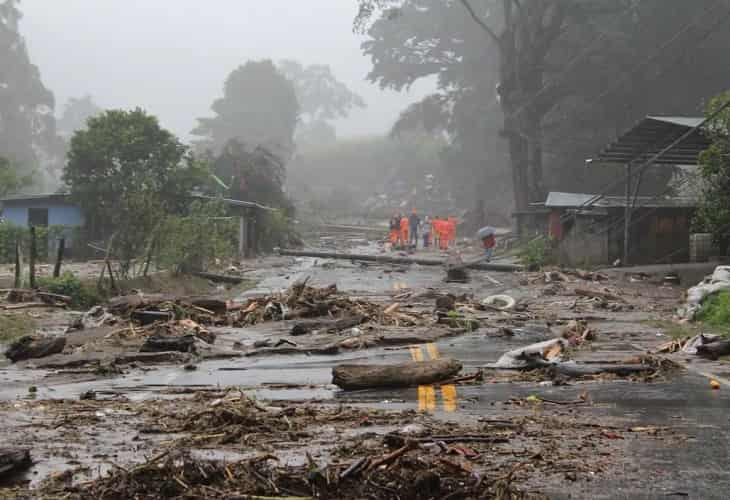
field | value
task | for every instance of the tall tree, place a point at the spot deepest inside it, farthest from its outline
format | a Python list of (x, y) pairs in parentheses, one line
[(27, 125), (321, 95), (564, 65), (127, 173), (76, 113), (259, 107)]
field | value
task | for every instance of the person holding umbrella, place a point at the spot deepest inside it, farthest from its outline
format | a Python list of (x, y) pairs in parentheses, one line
[(489, 241)]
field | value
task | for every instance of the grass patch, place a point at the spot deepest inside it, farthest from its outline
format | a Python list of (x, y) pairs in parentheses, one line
[(715, 312), (15, 325), (169, 283)]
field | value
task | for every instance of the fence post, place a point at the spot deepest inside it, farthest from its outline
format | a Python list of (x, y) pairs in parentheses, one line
[(59, 257), (33, 256), (18, 265)]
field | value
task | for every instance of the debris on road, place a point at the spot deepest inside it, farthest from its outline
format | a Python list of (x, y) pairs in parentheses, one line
[(30, 347), (13, 461), (353, 377)]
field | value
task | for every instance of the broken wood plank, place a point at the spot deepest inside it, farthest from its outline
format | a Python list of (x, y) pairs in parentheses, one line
[(353, 377)]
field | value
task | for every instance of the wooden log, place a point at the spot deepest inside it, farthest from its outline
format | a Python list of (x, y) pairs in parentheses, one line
[(156, 343), (59, 257), (387, 259), (30, 347), (353, 377), (330, 325), (714, 350), (13, 461), (217, 278), (213, 304), (587, 292)]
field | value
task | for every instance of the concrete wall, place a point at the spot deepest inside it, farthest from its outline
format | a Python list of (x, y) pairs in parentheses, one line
[(59, 213), (584, 243)]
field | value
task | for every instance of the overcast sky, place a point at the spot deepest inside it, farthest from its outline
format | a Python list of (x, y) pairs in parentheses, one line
[(172, 56)]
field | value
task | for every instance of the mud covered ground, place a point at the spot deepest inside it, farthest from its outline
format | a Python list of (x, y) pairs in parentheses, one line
[(255, 415)]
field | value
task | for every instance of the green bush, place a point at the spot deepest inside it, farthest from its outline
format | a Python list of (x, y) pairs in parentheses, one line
[(194, 240), (716, 310), (535, 253), (82, 295)]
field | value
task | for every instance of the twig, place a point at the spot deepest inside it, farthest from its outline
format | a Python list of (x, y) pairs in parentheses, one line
[(391, 457)]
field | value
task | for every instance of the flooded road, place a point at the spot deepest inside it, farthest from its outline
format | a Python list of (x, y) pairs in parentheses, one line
[(689, 464)]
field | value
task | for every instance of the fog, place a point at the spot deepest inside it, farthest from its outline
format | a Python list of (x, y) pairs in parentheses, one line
[(172, 56)]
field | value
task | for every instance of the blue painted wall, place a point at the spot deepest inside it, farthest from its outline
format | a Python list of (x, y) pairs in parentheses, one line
[(59, 214)]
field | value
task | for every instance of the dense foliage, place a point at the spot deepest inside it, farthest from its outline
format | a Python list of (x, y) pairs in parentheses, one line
[(127, 173), (714, 214), (27, 125), (528, 90), (322, 98), (259, 107)]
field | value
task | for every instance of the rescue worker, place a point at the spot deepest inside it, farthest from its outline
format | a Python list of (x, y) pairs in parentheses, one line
[(452, 229), (426, 231), (413, 222), (394, 230), (404, 231), (443, 230)]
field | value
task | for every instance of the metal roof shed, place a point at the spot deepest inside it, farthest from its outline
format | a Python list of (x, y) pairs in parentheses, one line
[(662, 140), (655, 140)]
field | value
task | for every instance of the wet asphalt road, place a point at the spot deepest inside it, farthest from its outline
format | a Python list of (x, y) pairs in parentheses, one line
[(692, 467)]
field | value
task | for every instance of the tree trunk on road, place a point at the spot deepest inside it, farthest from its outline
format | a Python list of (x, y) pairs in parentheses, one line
[(353, 377)]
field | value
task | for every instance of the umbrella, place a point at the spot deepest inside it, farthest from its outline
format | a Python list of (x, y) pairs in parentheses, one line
[(486, 232)]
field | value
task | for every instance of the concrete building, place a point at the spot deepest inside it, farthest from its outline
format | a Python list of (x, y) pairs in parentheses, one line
[(41, 210), (588, 230)]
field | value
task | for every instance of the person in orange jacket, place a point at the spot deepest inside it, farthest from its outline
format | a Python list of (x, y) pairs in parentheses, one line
[(452, 229), (443, 232), (404, 231), (394, 230)]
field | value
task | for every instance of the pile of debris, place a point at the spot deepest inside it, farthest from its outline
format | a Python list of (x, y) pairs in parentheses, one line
[(20, 298)]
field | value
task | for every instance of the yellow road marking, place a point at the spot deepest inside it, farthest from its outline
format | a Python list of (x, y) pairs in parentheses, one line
[(416, 353), (448, 393), (430, 398), (433, 351)]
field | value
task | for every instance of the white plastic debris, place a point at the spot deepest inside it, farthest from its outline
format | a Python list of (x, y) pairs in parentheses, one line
[(719, 280)]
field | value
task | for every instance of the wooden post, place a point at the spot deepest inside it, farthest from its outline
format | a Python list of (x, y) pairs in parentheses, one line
[(627, 216), (33, 256), (59, 257), (111, 275), (104, 265), (18, 265)]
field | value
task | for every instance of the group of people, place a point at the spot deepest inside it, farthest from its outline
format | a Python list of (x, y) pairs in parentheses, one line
[(405, 231)]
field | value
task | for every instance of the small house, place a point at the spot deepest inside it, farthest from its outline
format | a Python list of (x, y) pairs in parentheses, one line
[(588, 229), (42, 210)]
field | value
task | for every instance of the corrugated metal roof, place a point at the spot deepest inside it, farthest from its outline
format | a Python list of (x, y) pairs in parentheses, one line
[(682, 121), (557, 199), (651, 136)]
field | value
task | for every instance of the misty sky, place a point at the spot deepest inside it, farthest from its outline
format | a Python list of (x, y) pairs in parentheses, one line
[(172, 56)]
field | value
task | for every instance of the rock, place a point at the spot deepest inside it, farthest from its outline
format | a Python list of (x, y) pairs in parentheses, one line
[(30, 347)]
